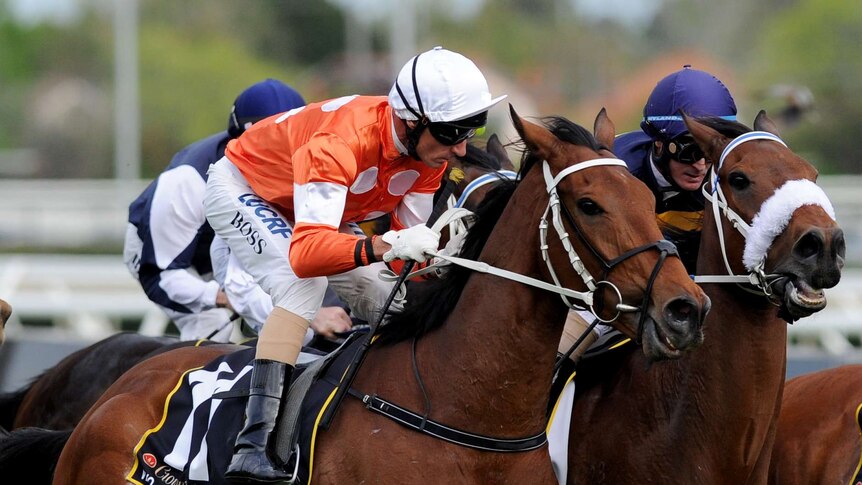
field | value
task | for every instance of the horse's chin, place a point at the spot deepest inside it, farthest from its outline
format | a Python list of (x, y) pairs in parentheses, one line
[(799, 298), (656, 345)]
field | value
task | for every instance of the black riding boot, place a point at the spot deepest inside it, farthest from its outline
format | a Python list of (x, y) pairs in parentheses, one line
[(251, 461)]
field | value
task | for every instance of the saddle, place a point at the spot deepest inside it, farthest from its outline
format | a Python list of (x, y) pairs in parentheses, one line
[(193, 442)]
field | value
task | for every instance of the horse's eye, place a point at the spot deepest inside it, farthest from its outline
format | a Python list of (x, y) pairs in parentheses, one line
[(738, 181), (588, 207)]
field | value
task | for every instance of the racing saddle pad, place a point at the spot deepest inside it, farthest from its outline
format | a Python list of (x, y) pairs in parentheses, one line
[(193, 442)]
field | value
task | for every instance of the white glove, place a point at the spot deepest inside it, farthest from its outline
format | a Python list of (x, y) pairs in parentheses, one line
[(454, 244), (411, 243)]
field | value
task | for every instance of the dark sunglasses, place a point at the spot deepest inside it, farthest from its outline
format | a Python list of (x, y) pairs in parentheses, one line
[(449, 134), (684, 151)]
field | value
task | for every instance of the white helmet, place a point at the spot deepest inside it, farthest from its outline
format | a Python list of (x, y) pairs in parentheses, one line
[(442, 86)]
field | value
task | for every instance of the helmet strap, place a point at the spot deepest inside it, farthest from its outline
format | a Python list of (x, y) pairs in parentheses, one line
[(413, 134)]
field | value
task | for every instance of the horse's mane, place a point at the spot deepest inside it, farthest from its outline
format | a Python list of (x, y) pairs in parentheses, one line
[(566, 131), (728, 128), (475, 157), (429, 303)]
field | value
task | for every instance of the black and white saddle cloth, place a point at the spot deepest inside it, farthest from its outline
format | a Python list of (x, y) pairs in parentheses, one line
[(193, 442)]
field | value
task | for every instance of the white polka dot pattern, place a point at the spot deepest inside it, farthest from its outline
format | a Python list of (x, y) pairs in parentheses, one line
[(365, 181), (401, 182)]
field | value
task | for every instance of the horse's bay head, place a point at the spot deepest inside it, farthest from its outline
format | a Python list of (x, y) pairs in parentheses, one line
[(608, 215), (793, 233)]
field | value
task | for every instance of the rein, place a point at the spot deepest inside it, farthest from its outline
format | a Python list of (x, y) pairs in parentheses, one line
[(586, 298), (430, 427)]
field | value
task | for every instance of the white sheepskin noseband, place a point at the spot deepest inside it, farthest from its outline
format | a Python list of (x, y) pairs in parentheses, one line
[(775, 214)]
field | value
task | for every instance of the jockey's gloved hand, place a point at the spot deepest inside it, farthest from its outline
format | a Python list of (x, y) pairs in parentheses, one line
[(411, 243)]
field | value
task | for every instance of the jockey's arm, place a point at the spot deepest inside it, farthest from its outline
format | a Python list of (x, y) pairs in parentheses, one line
[(324, 168), (176, 216)]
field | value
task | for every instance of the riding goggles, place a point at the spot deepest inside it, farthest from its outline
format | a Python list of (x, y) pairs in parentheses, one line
[(454, 132), (684, 151), (449, 134)]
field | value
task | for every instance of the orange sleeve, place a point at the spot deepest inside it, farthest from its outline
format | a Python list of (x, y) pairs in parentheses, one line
[(321, 251), (324, 168)]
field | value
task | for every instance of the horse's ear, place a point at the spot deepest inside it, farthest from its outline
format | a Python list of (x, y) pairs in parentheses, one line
[(537, 138), (496, 149), (5, 312), (764, 123), (604, 129), (710, 141)]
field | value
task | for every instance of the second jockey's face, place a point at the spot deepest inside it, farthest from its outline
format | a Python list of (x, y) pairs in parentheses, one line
[(688, 176), (435, 154)]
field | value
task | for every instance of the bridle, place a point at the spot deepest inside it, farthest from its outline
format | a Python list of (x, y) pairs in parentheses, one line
[(755, 258), (421, 422), (587, 299), (664, 247)]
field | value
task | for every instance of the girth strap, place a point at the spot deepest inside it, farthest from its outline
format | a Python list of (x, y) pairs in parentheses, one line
[(432, 428)]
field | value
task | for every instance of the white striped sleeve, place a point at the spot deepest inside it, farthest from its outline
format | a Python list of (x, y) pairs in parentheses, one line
[(176, 214), (415, 208), (319, 203)]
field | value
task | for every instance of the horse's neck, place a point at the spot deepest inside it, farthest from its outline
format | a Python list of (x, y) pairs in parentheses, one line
[(496, 351), (744, 344), (730, 388), (719, 403)]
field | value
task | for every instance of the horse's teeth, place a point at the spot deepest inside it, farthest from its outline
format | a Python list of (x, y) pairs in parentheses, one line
[(816, 300), (669, 344)]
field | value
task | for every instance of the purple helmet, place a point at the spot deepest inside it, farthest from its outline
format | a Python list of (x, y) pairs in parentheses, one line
[(259, 101), (696, 93)]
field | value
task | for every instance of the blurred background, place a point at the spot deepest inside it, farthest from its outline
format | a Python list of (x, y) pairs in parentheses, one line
[(96, 96)]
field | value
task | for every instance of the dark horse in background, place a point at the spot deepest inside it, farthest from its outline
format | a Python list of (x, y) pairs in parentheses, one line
[(710, 417), (59, 397), (484, 345)]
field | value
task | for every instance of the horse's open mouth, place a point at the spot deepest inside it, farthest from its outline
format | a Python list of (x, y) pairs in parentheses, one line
[(656, 344), (798, 297), (800, 294)]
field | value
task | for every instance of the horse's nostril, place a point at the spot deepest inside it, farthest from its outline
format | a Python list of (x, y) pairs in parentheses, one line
[(811, 244), (681, 312), (839, 247)]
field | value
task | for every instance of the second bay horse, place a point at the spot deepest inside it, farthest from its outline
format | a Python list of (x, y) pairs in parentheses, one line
[(710, 417)]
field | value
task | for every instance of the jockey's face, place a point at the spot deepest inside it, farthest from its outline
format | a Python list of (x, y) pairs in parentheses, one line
[(688, 176), (435, 154)]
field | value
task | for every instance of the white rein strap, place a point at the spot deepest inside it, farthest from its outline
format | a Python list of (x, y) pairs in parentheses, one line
[(456, 214)]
